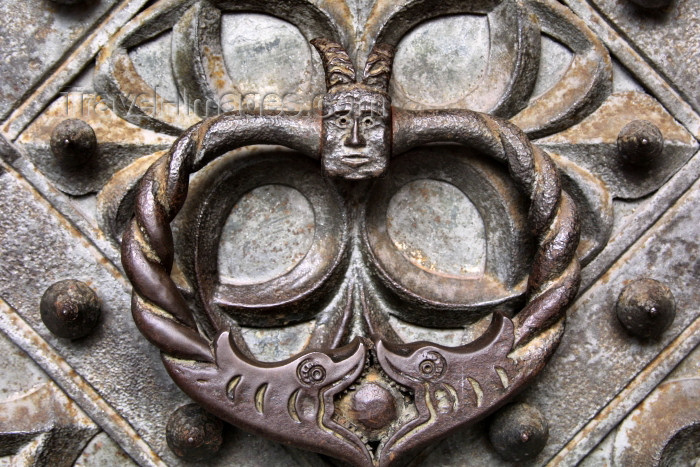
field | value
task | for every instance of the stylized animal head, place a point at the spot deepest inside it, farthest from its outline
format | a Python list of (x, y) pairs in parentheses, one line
[(450, 385), (289, 401)]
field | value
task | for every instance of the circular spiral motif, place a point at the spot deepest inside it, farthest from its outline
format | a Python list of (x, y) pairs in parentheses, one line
[(433, 366), (311, 372)]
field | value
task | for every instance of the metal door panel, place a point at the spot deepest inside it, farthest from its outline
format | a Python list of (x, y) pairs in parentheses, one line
[(109, 392)]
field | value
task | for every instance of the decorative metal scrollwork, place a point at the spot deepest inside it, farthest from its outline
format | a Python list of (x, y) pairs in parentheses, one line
[(392, 349), (353, 227), (294, 401)]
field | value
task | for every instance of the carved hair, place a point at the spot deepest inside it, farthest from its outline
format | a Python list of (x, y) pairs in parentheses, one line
[(378, 68), (340, 71), (336, 62)]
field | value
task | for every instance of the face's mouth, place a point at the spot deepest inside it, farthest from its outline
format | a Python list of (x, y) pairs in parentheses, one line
[(355, 160)]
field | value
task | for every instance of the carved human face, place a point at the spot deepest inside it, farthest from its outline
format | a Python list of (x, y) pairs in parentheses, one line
[(356, 134)]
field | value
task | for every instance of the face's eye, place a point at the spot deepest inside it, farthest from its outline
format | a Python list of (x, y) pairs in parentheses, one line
[(368, 122), (343, 121)]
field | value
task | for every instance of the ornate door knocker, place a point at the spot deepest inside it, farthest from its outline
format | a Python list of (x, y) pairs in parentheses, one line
[(358, 392), (354, 227)]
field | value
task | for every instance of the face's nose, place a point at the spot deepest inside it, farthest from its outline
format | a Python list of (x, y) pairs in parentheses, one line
[(355, 138)]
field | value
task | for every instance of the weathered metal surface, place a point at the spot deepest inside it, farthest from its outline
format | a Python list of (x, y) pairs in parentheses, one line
[(73, 143), (651, 76), (193, 434), (443, 61), (593, 144), (640, 142), (34, 415), (239, 388), (646, 308), (118, 143), (35, 38), (595, 378), (80, 368), (673, 410), (678, 55), (679, 445), (102, 450), (70, 309), (45, 427), (32, 101), (47, 418), (518, 432)]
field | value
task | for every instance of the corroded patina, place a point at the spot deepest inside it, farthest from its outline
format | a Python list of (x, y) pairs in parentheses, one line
[(294, 401), (271, 247)]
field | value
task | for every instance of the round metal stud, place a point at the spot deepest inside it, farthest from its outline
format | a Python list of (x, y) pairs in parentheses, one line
[(193, 434), (640, 142), (70, 309), (646, 308), (518, 432), (373, 406), (73, 142), (683, 448)]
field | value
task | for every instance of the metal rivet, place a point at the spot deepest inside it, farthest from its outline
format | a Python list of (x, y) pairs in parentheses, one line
[(651, 3), (73, 142), (70, 309), (193, 434), (646, 308), (518, 432), (640, 142), (373, 406)]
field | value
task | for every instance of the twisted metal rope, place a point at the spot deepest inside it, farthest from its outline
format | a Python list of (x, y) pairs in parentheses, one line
[(555, 273), (159, 309), (163, 316)]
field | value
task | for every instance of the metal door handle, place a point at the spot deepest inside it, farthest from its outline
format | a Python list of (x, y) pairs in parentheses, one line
[(295, 400)]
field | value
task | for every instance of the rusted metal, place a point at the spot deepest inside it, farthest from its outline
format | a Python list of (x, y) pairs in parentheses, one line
[(295, 264), (593, 145), (46, 423), (70, 309), (518, 432), (295, 400), (73, 142), (640, 142), (646, 308), (193, 434), (356, 131), (665, 36), (373, 406), (663, 430)]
